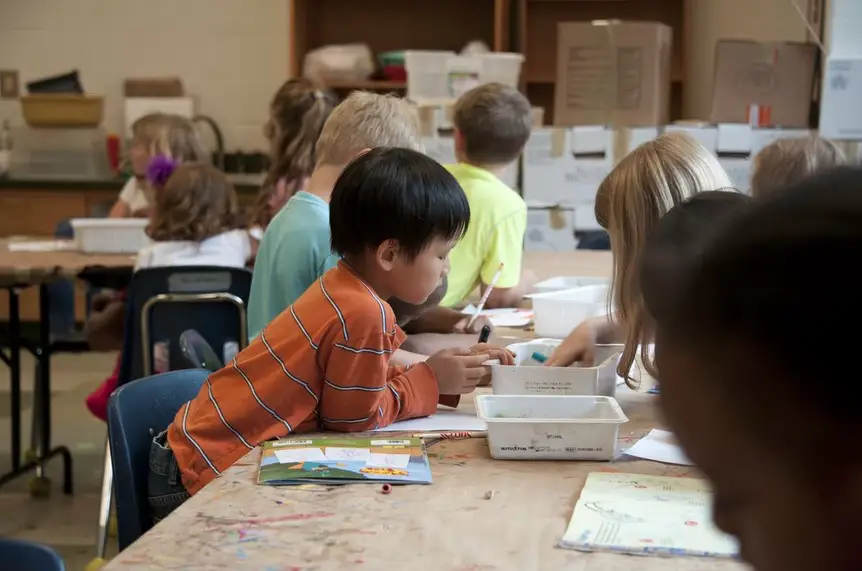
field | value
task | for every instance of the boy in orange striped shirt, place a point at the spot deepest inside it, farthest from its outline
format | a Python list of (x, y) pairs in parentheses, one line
[(324, 363)]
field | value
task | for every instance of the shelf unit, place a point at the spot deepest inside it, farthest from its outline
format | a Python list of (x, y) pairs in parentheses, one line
[(536, 37), (387, 25)]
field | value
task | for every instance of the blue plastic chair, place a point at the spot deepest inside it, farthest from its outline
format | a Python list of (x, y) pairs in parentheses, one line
[(19, 555), (137, 412), (161, 304)]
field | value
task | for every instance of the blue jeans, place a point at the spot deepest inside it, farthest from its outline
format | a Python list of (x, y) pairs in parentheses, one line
[(165, 490)]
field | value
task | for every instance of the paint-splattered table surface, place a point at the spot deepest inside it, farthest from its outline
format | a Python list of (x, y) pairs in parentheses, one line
[(450, 525)]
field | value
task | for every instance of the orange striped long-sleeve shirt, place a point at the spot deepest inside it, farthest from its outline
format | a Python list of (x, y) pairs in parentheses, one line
[(323, 364)]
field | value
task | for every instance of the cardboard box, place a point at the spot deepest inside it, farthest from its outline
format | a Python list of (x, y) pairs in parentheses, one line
[(550, 230), (840, 111), (612, 73), (764, 84), (565, 166)]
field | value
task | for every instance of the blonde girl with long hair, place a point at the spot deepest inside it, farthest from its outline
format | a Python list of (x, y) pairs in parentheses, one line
[(647, 183), (297, 113)]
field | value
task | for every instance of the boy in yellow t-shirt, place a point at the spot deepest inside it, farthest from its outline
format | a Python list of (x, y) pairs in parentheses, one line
[(492, 124)]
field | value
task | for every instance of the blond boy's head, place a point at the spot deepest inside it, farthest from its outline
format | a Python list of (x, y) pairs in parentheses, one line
[(365, 121), (492, 124), (788, 160)]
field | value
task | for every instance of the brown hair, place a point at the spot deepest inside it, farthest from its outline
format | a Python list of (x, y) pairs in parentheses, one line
[(647, 183), (297, 113), (172, 136), (787, 161), (494, 121), (196, 203), (366, 121)]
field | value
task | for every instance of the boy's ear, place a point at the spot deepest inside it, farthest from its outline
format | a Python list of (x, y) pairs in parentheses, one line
[(459, 141), (360, 153), (387, 252)]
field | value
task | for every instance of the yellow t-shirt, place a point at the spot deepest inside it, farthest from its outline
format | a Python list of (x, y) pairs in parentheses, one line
[(498, 221)]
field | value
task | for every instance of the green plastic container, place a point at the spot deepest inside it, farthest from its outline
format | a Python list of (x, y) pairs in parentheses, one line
[(393, 58)]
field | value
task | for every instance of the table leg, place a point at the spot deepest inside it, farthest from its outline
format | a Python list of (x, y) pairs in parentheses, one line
[(15, 375)]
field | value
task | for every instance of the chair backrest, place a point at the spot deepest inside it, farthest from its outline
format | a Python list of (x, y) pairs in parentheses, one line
[(19, 555), (137, 412), (162, 303)]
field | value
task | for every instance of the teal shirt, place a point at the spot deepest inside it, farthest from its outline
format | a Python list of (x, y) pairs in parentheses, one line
[(293, 254)]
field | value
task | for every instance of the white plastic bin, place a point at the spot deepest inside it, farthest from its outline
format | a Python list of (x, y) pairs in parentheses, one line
[(110, 235), (555, 314), (529, 377), (444, 75), (561, 283), (541, 427)]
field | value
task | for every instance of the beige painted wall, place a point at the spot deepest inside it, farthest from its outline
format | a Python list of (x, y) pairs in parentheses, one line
[(710, 20), (231, 54)]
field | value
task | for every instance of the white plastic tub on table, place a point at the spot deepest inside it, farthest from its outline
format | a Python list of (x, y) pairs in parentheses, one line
[(541, 427), (529, 377), (110, 235), (561, 283), (556, 313)]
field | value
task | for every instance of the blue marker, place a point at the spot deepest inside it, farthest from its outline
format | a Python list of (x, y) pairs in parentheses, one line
[(538, 357)]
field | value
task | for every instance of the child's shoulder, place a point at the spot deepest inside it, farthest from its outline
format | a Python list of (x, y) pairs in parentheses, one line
[(351, 300)]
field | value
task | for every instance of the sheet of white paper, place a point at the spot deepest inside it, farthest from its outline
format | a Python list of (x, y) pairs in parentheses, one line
[(42, 246), (295, 455), (389, 460), (505, 316), (337, 454), (659, 446), (443, 421)]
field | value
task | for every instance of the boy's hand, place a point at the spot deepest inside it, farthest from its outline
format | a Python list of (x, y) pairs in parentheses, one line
[(463, 327), (459, 371)]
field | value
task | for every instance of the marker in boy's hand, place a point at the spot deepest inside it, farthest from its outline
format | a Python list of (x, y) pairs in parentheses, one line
[(479, 323), (458, 371)]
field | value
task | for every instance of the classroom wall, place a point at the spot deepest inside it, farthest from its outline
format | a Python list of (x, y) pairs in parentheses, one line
[(707, 21), (231, 54)]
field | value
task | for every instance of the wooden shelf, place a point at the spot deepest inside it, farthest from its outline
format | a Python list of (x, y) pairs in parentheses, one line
[(386, 25), (367, 84), (537, 39)]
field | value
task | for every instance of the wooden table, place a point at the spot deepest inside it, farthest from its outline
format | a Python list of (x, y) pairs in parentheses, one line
[(233, 523), (20, 270)]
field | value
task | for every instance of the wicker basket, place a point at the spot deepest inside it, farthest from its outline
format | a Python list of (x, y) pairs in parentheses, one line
[(62, 110)]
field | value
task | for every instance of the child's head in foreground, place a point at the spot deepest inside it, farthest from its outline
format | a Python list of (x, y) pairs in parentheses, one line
[(492, 124), (196, 202), (366, 121), (756, 379), (297, 113), (631, 200), (394, 215), (788, 161)]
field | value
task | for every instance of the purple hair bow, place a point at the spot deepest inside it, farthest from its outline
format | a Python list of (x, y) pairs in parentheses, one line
[(160, 169)]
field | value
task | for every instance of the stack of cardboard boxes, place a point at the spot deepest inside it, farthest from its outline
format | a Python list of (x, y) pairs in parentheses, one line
[(613, 94)]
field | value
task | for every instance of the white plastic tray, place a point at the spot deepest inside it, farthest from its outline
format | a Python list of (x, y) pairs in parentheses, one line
[(529, 377), (110, 235), (541, 427), (561, 283), (557, 313)]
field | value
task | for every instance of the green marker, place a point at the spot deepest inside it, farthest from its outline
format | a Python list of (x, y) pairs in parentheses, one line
[(538, 357)]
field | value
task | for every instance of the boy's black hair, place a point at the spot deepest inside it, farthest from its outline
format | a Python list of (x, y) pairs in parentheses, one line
[(678, 241), (779, 281), (395, 194)]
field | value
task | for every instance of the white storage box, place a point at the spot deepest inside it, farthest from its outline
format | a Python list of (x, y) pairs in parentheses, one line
[(110, 235), (529, 377), (541, 427), (555, 314), (561, 283), (444, 76)]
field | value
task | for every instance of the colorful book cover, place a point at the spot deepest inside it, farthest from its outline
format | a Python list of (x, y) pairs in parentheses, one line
[(646, 515), (344, 460)]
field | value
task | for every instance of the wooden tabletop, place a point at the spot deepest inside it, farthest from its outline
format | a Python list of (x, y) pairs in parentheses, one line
[(28, 267), (233, 523)]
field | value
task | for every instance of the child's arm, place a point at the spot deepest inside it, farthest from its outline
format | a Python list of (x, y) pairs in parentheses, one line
[(362, 392), (506, 246)]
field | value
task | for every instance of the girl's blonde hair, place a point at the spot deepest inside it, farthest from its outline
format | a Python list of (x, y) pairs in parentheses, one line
[(647, 183), (297, 113), (172, 136), (197, 202), (789, 160)]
